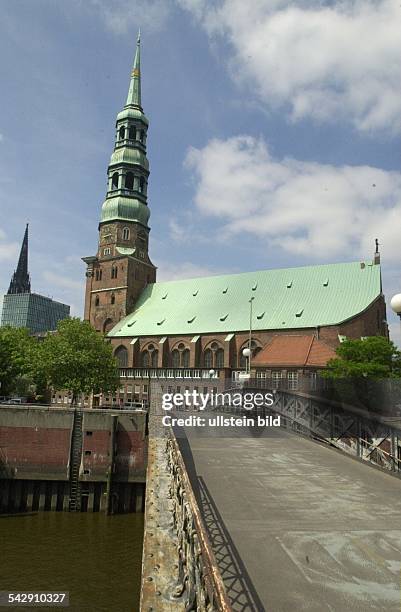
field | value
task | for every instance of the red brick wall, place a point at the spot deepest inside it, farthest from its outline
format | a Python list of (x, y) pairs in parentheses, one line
[(368, 323), (31, 452)]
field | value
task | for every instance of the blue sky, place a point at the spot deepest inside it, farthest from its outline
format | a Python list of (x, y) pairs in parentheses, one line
[(274, 133)]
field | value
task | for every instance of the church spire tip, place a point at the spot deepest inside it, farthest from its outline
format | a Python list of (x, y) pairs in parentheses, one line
[(20, 281), (134, 92)]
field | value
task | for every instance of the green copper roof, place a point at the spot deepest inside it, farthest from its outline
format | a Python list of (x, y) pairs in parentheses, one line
[(129, 156), (133, 105), (283, 299), (134, 92), (132, 113), (125, 209)]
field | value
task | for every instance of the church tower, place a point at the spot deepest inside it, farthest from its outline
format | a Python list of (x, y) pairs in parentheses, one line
[(20, 281), (116, 276)]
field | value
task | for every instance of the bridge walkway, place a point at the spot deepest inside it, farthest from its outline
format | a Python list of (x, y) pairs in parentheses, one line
[(295, 525)]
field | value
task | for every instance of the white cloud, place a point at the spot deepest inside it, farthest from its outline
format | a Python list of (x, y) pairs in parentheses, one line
[(176, 271), (319, 61), (304, 208), (58, 280), (122, 16), (179, 233), (65, 289), (8, 250)]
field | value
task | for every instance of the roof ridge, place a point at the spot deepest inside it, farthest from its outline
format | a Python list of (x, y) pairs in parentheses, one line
[(249, 272)]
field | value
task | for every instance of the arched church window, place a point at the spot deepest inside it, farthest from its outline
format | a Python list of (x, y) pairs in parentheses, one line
[(121, 354), (219, 360), (129, 180), (121, 133), (141, 184), (243, 361), (208, 358), (113, 299), (107, 325), (114, 181), (125, 233), (185, 358), (97, 301), (132, 132), (155, 358), (175, 359), (145, 359)]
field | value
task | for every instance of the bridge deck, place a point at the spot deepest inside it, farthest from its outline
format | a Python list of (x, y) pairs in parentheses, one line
[(295, 525)]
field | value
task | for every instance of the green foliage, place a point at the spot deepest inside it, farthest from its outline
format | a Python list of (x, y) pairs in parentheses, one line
[(78, 359), (372, 358), (18, 360)]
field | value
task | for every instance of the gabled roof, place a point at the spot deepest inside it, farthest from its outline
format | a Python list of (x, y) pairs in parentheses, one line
[(294, 351), (291, 298)]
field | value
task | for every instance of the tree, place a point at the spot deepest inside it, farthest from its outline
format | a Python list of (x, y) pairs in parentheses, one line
[(18, 360), (78, 359), (373, 358)]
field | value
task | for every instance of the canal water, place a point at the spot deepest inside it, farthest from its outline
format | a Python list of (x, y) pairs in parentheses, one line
[(96, 558)]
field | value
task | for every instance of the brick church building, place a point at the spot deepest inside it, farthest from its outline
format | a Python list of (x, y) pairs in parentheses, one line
[(197, 329)]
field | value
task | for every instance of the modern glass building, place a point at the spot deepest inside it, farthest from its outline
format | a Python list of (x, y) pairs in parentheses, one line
[(36, 312), (21, 308)]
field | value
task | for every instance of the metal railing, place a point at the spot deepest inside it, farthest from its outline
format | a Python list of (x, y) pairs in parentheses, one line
[(198, 574), (170, 373), (179, 570)]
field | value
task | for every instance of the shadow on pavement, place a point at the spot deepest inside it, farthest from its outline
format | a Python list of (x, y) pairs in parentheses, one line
[(239, 587)]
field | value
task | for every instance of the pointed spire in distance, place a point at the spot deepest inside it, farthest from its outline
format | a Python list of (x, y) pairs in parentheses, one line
[(134, 92), (20, 281), (376, 257)]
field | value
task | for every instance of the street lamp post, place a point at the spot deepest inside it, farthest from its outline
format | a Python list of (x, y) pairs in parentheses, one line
[(250, 334), (396, 304), (247, 354)]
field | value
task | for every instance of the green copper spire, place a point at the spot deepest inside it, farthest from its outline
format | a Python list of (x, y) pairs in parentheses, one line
[(134, 92), (128, 172)]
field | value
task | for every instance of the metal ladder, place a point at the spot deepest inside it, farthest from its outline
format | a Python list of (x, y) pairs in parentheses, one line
[(76, 453)]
